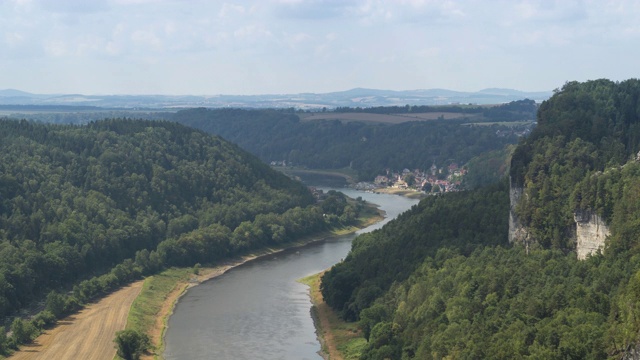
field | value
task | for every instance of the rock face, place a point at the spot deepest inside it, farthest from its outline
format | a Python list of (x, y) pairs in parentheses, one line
[(591, 232), (517, 231)]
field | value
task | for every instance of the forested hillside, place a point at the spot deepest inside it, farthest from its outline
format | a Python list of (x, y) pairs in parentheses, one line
[(276, 135), (583, 130), (92, 207), (442, 282)]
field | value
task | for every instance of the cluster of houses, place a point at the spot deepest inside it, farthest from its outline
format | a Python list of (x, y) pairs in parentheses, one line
[(282, 163), (510, 132), (434, 180)]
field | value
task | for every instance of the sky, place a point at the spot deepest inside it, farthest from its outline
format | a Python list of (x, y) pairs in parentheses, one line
[(207, 47)]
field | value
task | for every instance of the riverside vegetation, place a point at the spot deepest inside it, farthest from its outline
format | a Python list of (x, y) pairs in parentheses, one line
[(86, 209), (151, 309), (442, 281)]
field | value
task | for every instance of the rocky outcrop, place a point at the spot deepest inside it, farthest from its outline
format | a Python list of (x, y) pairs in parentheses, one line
[(517, 231), (591, 233)]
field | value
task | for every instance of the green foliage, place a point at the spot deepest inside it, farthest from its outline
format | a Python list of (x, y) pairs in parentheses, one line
[(475, 299), (119, 198), (131, 344), (22, 331), (366, 148), (55, 304), (501, 303), (584, 129), (488, 168), (377, 259)]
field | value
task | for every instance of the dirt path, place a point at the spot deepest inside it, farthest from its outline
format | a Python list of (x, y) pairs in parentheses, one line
[(86, 335)]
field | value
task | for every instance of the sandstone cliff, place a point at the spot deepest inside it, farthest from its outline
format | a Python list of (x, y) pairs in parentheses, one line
[(591, 230)]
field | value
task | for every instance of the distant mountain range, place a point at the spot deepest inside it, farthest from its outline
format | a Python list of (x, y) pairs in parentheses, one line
[(357, 97)]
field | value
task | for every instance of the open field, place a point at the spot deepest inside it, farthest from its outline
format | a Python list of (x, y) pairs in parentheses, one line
[(88, 334), (386, 118), (348, 174), (503, 123)]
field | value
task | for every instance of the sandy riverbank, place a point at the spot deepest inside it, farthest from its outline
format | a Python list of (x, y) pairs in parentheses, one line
[(410, 193), (157, 331), (339, 340)]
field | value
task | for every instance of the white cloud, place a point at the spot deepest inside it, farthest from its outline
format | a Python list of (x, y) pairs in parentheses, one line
[(56, 48), (332, 44), (146, 37), (230, 10), (13, 38)]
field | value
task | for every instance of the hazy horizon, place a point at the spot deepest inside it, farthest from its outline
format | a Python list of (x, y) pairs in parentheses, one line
[(275, 94), (172, 47)]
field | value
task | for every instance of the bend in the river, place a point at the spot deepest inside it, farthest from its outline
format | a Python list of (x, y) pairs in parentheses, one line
[(258, 310)]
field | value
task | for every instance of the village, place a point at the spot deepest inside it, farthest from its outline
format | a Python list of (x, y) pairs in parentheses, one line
[(435, 180)]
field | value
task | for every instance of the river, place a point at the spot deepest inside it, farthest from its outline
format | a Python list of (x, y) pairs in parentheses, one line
[(258, 310)]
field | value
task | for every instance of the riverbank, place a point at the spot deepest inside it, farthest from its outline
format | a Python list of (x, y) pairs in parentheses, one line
[(410, 193), (339, 340), (160, 293)]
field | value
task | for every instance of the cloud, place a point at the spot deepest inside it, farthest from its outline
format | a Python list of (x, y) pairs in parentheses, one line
[(313, 9), (332, 44), (230, 10), (73, 6), (565, 11)]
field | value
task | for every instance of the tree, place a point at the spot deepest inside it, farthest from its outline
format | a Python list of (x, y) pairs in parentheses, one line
[(55, 304), (22, 331), (410, 179), (131, 344)]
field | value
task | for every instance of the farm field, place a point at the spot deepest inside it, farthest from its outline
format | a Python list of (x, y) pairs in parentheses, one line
[(88, 334), (386, 118)]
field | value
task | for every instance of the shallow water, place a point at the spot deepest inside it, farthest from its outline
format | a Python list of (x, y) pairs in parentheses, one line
[(258, 310)]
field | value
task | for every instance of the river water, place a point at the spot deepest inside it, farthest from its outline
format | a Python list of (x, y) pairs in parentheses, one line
[(258, 310)]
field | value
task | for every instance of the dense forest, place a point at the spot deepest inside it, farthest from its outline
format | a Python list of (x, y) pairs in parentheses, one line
[(276, 135), (584, 130), (370, 149), (85, 209), (442, 281)]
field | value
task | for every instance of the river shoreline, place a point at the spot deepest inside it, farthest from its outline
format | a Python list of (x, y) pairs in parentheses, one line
[(158, 330), (327, 322), (180, 289), (410, 193), (325, 319)]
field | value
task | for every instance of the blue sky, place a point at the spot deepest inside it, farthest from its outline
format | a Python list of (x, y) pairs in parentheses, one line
[(291, 46)]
